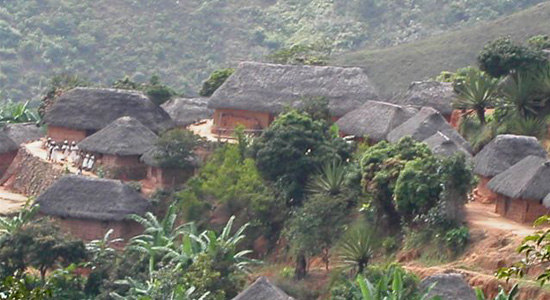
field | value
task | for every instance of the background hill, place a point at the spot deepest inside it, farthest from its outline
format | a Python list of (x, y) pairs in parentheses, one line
[(184, 40), (394, 68)]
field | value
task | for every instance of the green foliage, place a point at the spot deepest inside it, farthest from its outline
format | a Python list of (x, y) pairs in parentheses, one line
[(13, 288), (175, 148), (502, 295), (158, 92), (457, 238), (477, 92), (216, 79), (540, 42), (502, 55), (330, 181), (317, 108), (355, 249), (11, 112), (300, 55), (9, 226)]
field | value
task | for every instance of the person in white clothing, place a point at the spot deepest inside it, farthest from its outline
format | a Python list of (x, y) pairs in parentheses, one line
[(91, 162), (73, 152), (85, 162)]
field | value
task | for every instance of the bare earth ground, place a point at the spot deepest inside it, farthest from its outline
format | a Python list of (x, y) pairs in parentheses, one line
[(10, 202), (36, 149)]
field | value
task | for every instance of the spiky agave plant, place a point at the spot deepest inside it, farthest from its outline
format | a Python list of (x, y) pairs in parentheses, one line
[(530, 126), (355, 249), (331, 179), (477, 93)]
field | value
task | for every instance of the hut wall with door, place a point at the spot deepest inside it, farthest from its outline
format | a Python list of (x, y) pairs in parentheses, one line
[(519, 210), (123, 167), (225, 120), (89, 229)]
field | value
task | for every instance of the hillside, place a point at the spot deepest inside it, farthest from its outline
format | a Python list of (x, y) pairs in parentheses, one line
[(183, 41), (394, 68)]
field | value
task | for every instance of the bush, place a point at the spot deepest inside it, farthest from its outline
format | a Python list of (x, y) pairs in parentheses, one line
[(502, 55), (456, 239), (216, 79)]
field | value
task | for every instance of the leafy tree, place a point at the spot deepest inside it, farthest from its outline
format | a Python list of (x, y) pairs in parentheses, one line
[(216, 79), (158, 92), (476, 93), (300, 55), (175, 148), (317, 108)]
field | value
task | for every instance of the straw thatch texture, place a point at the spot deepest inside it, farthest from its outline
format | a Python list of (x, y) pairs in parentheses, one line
[(438, 95), (505, 151), (262, 289), (23, 132), (425, 124), (7, 144), (93, 109), (440, 144), (123, 137), (375, 119), (187, 111), (91, 198), (270, 88), (528, 179)]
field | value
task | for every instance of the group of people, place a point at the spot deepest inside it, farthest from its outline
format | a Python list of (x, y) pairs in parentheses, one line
[(68, 153)]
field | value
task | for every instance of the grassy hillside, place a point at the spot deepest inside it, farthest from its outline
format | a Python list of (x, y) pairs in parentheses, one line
[(394, 68)]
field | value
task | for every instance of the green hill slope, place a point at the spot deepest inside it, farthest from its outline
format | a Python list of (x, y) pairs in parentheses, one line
[(394, 68)]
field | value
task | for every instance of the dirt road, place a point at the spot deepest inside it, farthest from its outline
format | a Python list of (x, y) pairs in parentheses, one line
[(10, 202)]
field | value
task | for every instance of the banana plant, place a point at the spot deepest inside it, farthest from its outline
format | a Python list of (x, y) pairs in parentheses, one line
[(386, 290), (502, 295)]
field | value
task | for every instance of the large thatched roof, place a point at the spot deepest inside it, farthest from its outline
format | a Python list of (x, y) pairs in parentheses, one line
[(91, 198), (440, 144), (375, 119), (528, 179), (125, 136), (7, 144), (262, 289), (23, 132), (186, 111), (438, 95), (425, 124), (94, 108), (503, 152), (270, 88)]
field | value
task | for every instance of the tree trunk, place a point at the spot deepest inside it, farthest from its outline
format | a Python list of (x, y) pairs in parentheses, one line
[(326, 258), (481, 115), (301, 264)]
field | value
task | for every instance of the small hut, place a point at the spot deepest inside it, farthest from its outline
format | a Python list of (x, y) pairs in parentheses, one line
[(88, 207), (22, 133), (440, 144), (119, 146), (500, 154), (374, 120), (81, 112), (257, 92), (188, 111), (522, 188), (425, 124), (8, 151), (435, 94), (262, 289), (163, 176)]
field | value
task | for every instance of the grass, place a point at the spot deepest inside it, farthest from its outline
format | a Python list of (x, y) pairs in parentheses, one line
[(393, 69)]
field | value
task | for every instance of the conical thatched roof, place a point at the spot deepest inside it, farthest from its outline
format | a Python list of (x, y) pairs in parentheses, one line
[(262, 289), (186, 111), (528, 179), (503, 152), (270, 88), (440, 144), (7, 144), (438, 95), (125, 136), (375, 119), (91, 198), (23, 132), (425, 124), (94, 108)]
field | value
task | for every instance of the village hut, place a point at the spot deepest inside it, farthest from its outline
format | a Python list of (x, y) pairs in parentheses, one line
[(500, 154), (81, 112), (374, 120), (435, 94), (8, 151), (87, 207), (522, 188), (425, 124), (167, 176), (119, 146), (442, 145), (262, 289), (22, 133), (188, 111), (257, 92)]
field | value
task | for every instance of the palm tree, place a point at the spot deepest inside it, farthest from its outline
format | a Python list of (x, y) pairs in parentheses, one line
[(477, 93), (355, 249), (330, 180)]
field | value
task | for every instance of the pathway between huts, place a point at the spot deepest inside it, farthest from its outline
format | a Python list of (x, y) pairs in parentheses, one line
[(10, 202), (482, 216), (36, 149)]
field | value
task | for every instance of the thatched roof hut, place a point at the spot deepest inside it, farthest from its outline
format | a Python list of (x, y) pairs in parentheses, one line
[(187, 111), (23, 132), (94, 108), (505, 151), (124, 137), (91, 198), (425, 124), (264, 87), (7, 144), (262, 289), (440, 144), (528, 179), (375, 119), (438, 95)]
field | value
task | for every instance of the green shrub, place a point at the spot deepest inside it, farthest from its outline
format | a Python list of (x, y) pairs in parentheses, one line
[(456, 239)]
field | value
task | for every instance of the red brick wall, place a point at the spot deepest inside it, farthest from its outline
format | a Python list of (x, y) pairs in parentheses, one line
[(168, 178), (487, 195), (228, 119), (520, 210), (123, 167), (59, 134), (88, 230), (5, 161)]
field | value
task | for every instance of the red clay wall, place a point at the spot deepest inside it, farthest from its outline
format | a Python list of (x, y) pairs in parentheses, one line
[(5, 161), (225, 120), (59, 134), (519, 210), (485, 195), (88, 230), (123, 167), (168, 178)]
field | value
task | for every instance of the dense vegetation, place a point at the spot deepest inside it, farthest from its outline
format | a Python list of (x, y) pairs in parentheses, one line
[(184, 41)]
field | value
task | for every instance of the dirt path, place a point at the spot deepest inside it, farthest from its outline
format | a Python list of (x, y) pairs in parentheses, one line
[(36, 149), (10, 202), (482, 216)]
